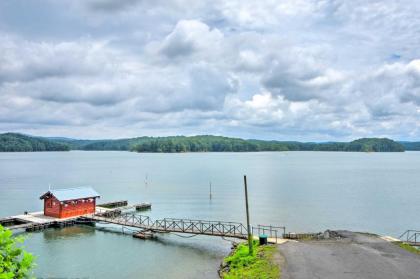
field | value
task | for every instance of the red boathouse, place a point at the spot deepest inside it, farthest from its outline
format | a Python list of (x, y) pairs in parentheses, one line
[(64, 203)]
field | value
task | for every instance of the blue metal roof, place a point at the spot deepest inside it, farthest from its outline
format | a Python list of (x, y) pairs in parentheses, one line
[(72, 193)]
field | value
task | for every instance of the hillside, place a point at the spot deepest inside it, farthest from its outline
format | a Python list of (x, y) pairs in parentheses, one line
[(223, 144), (11, 142), (205, 143), (208, 143), (411, 146)]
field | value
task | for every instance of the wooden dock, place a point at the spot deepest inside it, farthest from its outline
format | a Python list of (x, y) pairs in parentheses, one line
[(35, 221), (113, 213), (144, 234), (112, 208), (113, 204), (143, 206), (201, 227)]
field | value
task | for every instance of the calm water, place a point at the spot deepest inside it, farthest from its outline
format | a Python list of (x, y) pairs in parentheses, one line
[(306, 191)]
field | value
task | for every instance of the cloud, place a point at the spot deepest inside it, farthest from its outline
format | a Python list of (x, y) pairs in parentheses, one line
[(110, 5), (190, 36), (299, 76), (97, 74), (307, 69), (23, 60), (391, 90)]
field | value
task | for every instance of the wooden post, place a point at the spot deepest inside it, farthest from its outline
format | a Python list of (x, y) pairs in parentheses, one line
[(210, 189), (247, 217)]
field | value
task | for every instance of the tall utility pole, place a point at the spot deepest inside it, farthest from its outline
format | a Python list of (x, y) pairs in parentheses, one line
[(247, 217)]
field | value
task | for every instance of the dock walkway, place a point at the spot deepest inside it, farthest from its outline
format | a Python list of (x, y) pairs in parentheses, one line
[(202, 227), (112, 213), (35, 221)]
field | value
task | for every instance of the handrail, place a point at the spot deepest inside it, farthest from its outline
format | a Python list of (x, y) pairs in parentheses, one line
[(172, 224), (411, 236), (217, 228)]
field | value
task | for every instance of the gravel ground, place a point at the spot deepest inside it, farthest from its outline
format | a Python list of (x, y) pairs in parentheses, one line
[(351, 255)]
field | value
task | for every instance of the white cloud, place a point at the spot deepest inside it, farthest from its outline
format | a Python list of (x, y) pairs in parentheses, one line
[(307, 69), (190, 36)]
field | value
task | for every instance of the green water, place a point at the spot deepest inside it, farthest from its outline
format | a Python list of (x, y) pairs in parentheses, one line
[(305, 191)]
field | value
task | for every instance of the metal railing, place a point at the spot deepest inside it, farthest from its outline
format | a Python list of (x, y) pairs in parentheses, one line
[(411, 236), (269, 230), (190, 226), (126, 219), (218, 228)]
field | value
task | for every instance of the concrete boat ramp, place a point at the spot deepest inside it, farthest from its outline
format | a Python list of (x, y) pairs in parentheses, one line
[(348, 255)]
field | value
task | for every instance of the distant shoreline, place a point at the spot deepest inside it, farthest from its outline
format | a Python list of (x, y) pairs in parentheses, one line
[(13, 142)]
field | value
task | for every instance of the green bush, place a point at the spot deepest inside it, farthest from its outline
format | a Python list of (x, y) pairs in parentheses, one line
[(15, 262)]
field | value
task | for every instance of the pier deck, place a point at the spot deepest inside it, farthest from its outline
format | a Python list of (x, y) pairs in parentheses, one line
[(112, 213), (35, 221), (202, 227)]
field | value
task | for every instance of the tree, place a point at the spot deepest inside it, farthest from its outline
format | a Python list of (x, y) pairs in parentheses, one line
[(15, 262)]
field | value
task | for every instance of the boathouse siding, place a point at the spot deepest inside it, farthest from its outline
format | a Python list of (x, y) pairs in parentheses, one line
[(52, 207), (65, 203)]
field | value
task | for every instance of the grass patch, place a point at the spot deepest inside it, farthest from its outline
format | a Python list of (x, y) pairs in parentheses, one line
[(409, 248), (258, 265)]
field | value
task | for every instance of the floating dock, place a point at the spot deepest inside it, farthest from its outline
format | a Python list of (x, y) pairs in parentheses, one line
[(144, 226), (116, 208), (35, 221), (113, 204), (143, 206), (143, 235)]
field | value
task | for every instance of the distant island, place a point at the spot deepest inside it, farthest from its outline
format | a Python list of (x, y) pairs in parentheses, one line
[(14, 142)]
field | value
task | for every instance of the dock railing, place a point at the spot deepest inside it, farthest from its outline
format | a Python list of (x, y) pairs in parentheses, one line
[(220, 228), (189, 226), (411, 237), (216, 228), (274, 232)]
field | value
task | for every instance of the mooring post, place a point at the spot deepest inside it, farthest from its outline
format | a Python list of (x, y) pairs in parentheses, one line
[(210, 189), (247, 217)]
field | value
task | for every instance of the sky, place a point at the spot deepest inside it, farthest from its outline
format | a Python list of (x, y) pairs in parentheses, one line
[(308, 70)]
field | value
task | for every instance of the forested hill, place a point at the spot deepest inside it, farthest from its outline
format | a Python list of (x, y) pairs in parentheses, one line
[(413, 146), (207, 143), (223, 144), (11, 142)]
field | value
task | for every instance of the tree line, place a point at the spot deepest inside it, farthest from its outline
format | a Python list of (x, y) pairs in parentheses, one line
[(223, 144), (205, 143), (11, 142)]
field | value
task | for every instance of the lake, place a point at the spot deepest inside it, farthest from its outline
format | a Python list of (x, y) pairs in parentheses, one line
[(304, 191)]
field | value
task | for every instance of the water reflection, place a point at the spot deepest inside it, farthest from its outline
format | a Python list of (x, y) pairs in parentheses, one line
[(67, 233), (306, 191)]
